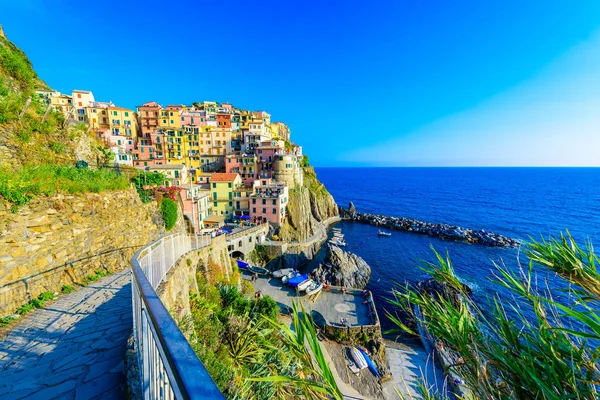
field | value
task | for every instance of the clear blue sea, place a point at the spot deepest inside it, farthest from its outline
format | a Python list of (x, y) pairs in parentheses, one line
[(516, 202)]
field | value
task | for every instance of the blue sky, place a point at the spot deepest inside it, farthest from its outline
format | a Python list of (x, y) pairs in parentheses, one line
[(360, 83)]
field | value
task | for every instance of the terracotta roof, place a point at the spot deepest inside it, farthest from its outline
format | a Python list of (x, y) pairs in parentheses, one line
[(222, 177)]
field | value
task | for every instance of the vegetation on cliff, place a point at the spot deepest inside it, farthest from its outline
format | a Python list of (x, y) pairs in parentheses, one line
[(169, 213), (32, 133), (540, 345), (308, 206), (20, 185)]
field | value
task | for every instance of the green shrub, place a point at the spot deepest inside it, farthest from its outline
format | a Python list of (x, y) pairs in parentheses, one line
[(24, 135), (57, 147), (267, 307), (169, 213), (45, 296), (67, 289), (24, 309), (4, 321)]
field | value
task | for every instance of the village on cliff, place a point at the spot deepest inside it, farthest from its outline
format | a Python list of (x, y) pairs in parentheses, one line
[(229, 164)]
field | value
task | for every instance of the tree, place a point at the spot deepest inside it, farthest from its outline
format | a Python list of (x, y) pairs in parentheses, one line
[(169, 213), (505, 353)]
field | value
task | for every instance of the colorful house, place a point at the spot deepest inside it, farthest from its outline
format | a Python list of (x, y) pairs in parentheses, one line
[(149, 114), (196, 205), (222, 186), (269, 201), (122, 122), (244, 164), (175, 174), (97, 115)]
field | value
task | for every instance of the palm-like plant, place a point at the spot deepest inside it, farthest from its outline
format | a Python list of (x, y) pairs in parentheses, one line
[(314, 379), (511, 355)]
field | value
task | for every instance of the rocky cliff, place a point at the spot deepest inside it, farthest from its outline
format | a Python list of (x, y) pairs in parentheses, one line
[(308, 206), (342, 268)]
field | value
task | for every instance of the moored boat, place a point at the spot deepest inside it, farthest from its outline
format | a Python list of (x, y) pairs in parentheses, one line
[(370, 363), (383, 233), (302, 286), (258, 270), (337, 242), (358, 358), (314, 288), (336, 229), (280, 273), (296, 280)]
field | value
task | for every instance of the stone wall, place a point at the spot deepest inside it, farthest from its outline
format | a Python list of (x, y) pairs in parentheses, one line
[(175, 290), (60, 240)]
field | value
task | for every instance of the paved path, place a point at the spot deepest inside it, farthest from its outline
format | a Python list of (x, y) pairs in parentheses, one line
[(74, 348)]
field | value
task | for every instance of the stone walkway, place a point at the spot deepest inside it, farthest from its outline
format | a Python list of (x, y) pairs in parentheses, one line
[(74, 348)]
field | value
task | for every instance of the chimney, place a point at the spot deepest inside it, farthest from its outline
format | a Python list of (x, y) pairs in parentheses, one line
[(2, 32)]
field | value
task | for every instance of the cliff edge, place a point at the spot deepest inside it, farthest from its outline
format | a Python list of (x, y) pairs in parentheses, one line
[(309, 205)]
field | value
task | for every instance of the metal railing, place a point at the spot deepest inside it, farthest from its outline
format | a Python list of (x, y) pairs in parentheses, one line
[(169, 368)]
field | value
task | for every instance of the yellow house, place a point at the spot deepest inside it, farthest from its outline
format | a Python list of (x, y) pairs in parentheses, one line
[(222, 186), (97, 115), (122, 121), (170, 117), (175, 147), (245, 118)]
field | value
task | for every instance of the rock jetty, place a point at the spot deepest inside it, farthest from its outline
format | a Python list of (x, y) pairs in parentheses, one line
[(342, 268), (444, 231)]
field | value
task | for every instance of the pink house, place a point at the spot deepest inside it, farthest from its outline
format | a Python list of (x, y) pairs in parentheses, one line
[(123, 142), (245, 165), (269, 201), (267, 153), (193, 118)]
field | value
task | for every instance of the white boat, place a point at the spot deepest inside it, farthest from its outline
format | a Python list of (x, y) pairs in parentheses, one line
[(280, 273), (314, 288), (336, 229), (338, 235), (287, 277), (359, 359), (382, 233), (340, 243), (303, 285)]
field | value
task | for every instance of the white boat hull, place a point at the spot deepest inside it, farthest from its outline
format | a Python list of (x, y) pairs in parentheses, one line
[(314, 288), (359, 359), (303, 285)]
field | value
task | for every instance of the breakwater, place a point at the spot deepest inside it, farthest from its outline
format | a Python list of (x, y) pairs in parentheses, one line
[(444, 231)]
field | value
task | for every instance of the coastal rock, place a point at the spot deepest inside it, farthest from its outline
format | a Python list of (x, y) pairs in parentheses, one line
[(444, 231), (308, 206), (342, 268)]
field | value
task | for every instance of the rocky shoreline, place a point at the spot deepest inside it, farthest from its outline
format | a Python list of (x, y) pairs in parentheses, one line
[(444, 231)]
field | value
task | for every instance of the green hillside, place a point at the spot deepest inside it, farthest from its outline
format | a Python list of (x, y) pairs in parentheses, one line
[(31, 133)]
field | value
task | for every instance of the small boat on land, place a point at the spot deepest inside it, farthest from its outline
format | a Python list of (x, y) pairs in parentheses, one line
[(241, 264), (337, 242), (258, 270), (287, 277), (302, 286), (359, 359), (314, 288), (383, 233), (370, 363), (280, 273), (296, 280)]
